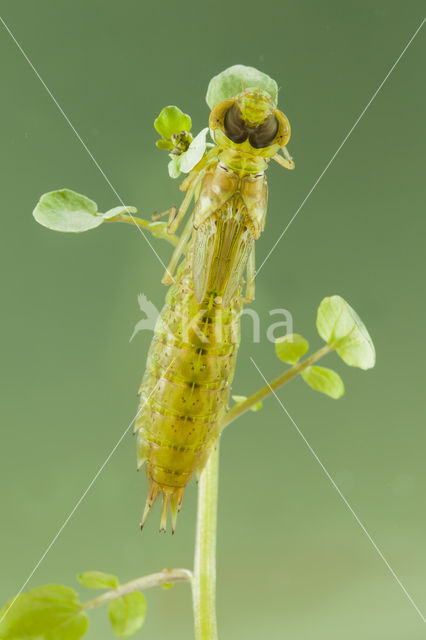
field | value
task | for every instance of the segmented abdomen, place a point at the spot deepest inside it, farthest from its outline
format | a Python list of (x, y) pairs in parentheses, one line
[(185, 389)]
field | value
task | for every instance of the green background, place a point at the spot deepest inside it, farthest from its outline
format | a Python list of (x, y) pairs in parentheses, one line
[(292, 560)]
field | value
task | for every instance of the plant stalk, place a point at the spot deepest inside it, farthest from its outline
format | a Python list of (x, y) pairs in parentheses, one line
[(152, 580), (204, 576), (156, 230)]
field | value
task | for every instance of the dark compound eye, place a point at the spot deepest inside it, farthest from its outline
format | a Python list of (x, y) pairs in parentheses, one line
[(235, 127), (264, 134), (238, 131)]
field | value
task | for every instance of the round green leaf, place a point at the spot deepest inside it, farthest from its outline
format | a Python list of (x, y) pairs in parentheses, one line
[(73, 629), (98, 580), (291, 347), (68, 211), (341, 327), (52, 612), (171, 121), (174, 166), (127, 614), (233, 80), (164, 144), (324, 380)]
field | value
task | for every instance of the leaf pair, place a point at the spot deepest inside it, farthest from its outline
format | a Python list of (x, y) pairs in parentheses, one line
[(293, 346), (126, 613), (54, 612), (341, 327)]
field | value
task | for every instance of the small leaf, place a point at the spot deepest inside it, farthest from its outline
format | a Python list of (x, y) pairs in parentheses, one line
[(256, 407), (52, 612), (341, 327), (98, 580), (127, 614), (291, 347), (116, 211), (158, 228), (172, 121), (233, 80), (164, 144), (194, 153), (67, 211), (167, 585), (174, 166), (324, 380)]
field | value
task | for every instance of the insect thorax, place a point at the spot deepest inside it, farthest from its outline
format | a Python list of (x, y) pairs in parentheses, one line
[(242, 163)]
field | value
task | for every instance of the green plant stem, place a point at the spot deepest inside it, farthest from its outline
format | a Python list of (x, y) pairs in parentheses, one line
[(204, 577), (156, 230), (152, 580), (265, 391)]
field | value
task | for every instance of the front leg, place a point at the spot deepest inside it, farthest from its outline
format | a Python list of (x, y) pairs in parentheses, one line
[(176, 217), (286, 161)]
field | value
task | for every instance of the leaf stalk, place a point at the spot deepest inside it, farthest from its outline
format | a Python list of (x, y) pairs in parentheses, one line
[(145, 582), (265, 391), (154, 228)]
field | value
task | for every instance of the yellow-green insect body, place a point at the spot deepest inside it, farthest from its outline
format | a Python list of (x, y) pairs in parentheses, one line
[(191, 361)]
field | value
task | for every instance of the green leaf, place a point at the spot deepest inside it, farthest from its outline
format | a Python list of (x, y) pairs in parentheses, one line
[(341, 327), (174, 166), (116, 211), (325, 380), (52, 612), (291, 347), (172, 121), (256, 407), (164, 144), (167, 585), (127, 614), (158, 228), (68, 211), (233, 80), (98, 580), (194, 153)]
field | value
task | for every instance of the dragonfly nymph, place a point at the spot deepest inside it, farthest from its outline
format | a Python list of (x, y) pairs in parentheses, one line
[(191, 361)]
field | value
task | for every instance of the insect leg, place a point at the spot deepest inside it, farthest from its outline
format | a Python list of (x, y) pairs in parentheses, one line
[(286, 162), (250, 272), (175, 218), (177, 253), (167, 212)]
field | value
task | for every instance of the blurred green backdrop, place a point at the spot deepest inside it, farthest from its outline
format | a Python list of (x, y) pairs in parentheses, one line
[(292, 561)]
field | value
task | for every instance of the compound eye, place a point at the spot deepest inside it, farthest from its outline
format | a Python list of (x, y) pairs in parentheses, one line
[(235, 127), (264, 135)]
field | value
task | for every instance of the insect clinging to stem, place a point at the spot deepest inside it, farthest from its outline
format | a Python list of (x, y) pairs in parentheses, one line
[(191, 361)]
